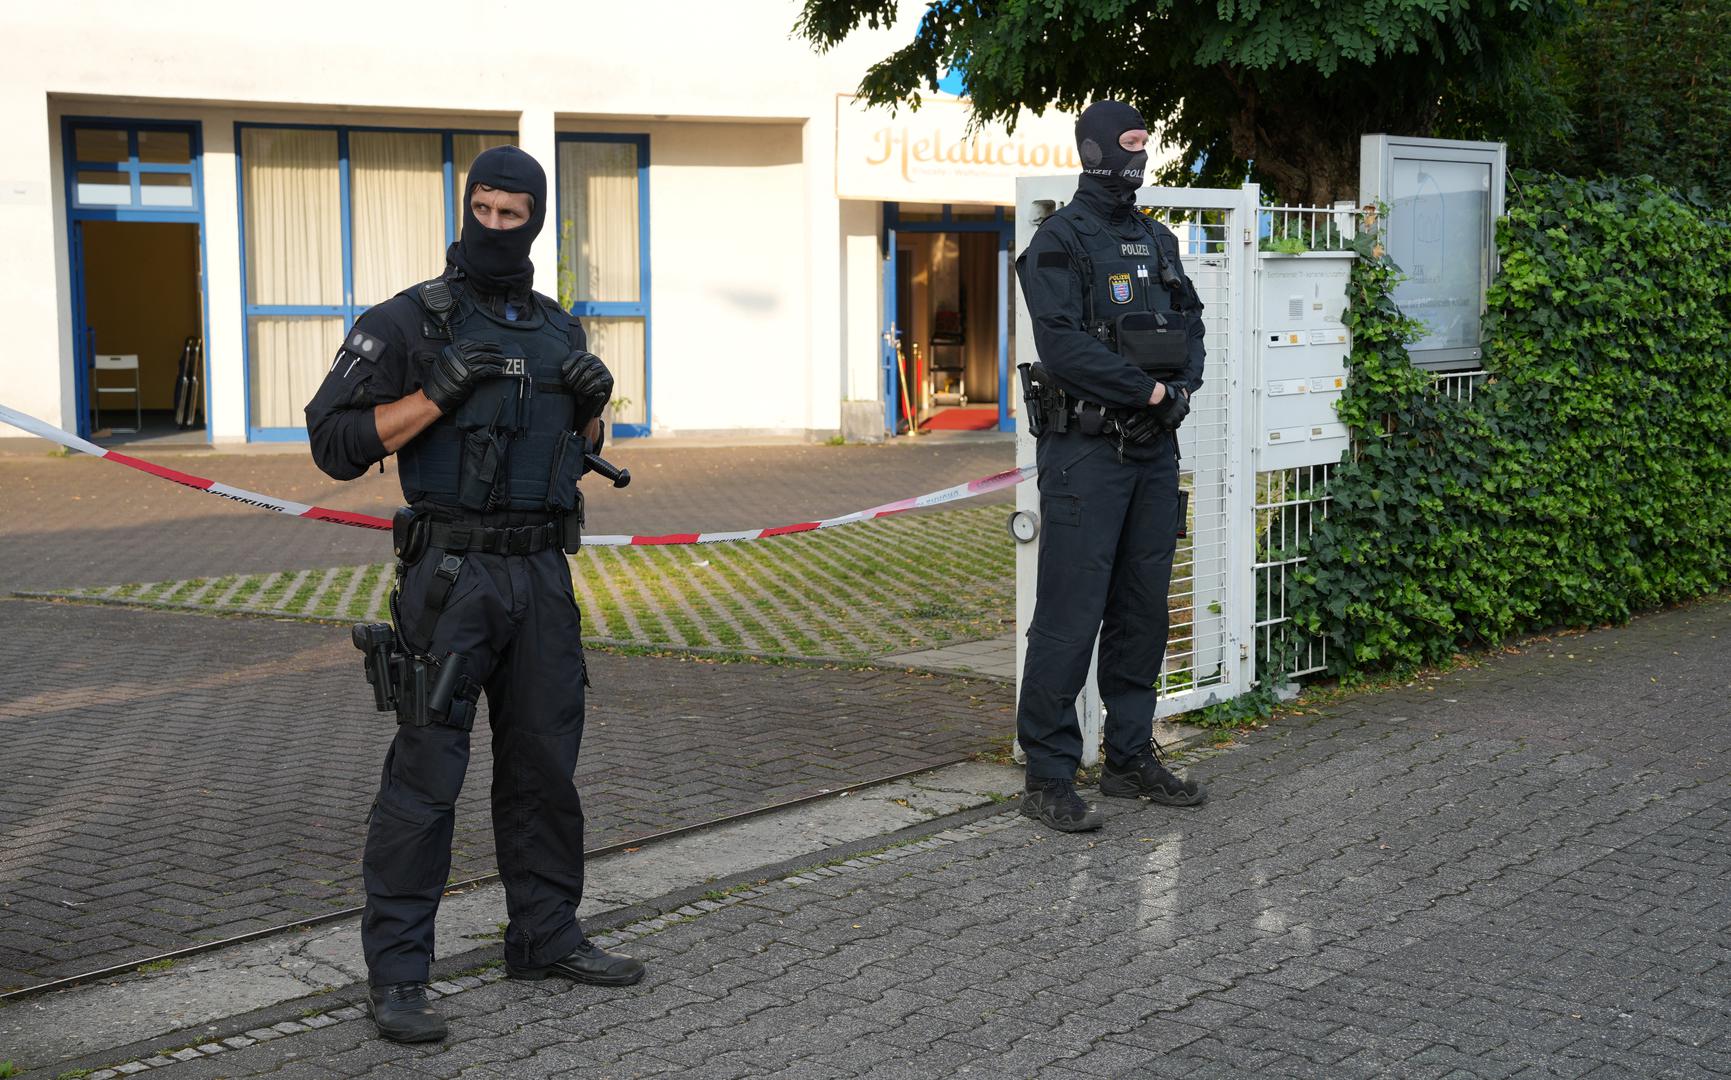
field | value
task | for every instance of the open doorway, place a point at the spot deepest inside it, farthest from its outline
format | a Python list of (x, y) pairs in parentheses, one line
[(135, 210), (143, 328), (952, 329), (952, 310)]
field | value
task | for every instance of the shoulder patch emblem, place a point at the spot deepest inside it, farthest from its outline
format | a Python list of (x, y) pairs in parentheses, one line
[(1120, 288), (370, 347)]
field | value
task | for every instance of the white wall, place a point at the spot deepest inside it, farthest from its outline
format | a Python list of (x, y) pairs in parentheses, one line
[(862, 334), (32, 247), (340, 62)]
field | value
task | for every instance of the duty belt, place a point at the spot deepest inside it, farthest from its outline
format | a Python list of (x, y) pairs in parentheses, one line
[(522, 540), (1075, 407)]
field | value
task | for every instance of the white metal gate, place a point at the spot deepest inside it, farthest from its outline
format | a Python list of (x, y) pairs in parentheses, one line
[(1208, 650)]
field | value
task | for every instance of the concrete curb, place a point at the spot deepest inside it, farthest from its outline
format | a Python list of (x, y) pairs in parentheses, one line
[(301, 981)]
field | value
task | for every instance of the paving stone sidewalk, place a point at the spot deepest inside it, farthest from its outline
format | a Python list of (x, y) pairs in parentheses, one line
[(172, 779), (1522, 870)]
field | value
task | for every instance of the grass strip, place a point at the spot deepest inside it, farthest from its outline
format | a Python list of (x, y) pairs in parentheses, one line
[(694, 576), (903, 584), (270, 598)]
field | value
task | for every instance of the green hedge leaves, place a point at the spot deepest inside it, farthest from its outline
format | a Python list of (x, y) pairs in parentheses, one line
[(1587, 477)]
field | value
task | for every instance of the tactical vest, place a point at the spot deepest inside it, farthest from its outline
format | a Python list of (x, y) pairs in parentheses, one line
[(509, 446), (1134, 299)]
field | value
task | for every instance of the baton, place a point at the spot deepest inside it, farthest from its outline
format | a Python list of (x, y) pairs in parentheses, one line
[(598, 464)]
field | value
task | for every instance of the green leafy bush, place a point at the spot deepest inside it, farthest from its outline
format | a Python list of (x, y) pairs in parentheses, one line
[(1587, 476)]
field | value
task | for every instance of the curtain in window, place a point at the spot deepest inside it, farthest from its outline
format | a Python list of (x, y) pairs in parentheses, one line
[(397, 188), (294, 240), (598, 235), (290, 355), (294, 257), (599, 249), (619, 343)]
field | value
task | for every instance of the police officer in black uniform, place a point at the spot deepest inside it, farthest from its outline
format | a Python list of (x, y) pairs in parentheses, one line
[(1118, 330), (487, 395)]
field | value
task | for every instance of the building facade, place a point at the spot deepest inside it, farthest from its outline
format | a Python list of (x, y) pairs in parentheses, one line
[(197, 199)]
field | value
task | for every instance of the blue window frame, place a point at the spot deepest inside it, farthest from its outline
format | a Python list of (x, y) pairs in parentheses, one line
[(348, 308), (123, 186), (116, 182), (640, 308)]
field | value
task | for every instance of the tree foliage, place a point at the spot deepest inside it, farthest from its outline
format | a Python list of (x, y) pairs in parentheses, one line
[(1643, 87), (1281, 89), (1583, 482)]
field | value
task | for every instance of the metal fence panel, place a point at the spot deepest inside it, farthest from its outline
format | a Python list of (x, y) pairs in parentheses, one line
[(1254, 507)]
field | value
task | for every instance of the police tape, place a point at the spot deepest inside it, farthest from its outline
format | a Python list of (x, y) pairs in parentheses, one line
[(984, 485)]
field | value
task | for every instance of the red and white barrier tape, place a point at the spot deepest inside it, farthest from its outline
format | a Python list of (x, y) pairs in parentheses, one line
[(982, 486)]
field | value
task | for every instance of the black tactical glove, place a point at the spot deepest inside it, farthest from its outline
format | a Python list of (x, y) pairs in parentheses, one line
[(1173, 408), (459, 367), (590, 383)]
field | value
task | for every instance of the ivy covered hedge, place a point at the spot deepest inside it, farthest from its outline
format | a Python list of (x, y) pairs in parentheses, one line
[(1588, 477)]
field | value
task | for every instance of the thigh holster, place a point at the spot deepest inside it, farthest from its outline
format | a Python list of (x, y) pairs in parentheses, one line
[(437, 692)]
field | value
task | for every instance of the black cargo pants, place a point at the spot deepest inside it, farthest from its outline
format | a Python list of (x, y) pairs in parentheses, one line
[(516, 621), (1108, 531)]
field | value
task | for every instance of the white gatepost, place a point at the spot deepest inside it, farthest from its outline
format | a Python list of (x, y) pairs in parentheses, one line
[(1208, 655)]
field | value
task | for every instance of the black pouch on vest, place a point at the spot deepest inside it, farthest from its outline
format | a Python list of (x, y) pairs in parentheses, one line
[(483, 453), (567, 468), (501, 401), (414, 686), (1158, 344)]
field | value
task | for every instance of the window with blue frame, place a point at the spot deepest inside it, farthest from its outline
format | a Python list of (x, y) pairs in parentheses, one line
[(603, 207), (134, 167), (333, 221)]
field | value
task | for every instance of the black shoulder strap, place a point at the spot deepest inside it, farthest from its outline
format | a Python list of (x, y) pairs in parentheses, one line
[(438, 592), (572, 325), (1182, 289)]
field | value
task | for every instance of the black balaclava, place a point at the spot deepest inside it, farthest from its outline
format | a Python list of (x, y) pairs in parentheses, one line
[(497, 260), (1110, 173)]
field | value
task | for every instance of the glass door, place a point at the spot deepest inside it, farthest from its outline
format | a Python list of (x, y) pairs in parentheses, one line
[(135, 217)]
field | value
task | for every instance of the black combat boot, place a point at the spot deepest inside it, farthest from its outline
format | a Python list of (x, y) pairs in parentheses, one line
[(587, 963), (1145, 776), (403, 1013), (1055, 803)]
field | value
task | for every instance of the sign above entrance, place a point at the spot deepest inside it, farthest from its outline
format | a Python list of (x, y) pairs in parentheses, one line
[(928, 155)]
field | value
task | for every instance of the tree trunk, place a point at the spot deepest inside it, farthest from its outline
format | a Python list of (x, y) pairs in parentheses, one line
[(1315, 170)]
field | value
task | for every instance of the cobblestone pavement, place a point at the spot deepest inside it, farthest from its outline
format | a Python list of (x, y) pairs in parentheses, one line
[(173, 778), (80, 521), (1519, 870)]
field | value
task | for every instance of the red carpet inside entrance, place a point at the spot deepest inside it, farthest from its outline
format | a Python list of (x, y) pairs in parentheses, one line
[(968, 418)]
